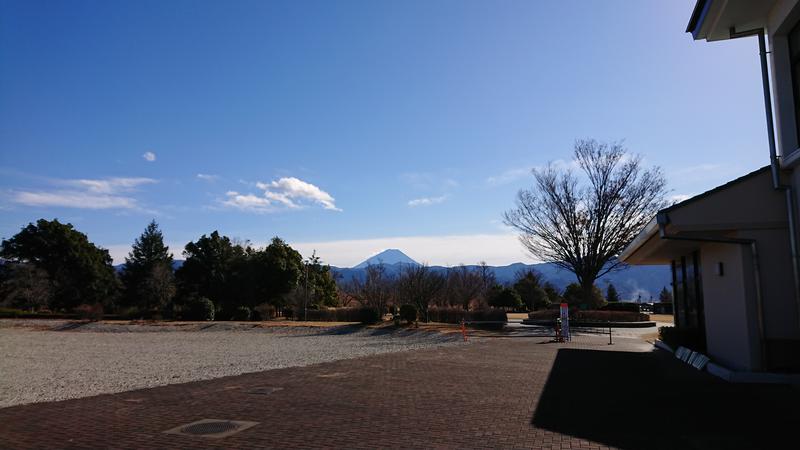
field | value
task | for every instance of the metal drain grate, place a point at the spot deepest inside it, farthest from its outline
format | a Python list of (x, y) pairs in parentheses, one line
[(264, 390), (212, 428)]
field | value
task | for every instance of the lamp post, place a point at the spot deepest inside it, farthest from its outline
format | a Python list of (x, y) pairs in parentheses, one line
[(305, 296)]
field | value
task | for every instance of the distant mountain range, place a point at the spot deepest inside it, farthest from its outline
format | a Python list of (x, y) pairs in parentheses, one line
[(176, 264), (631, 282)]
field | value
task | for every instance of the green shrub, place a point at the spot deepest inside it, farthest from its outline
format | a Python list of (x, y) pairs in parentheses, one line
[(241, 313), (681, 337), (408, 313), (198, 308)]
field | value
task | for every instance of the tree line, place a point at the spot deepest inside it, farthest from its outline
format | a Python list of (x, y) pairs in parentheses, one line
[(51, 265)]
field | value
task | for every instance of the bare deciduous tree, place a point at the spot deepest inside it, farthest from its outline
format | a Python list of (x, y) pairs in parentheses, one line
[(488, 281), (463, 286), (376, 290), (583, 224), (420, 286), (25, 286)]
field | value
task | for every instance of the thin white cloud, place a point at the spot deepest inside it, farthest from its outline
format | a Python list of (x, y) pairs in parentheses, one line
[(517, 173), (207, 177), (149, 156), (427, 201), (509, 176), (448, 250), (429, 180), (284, 193), (698, 169), (105, 193), (677, 198), (108, 185), (73, 199)]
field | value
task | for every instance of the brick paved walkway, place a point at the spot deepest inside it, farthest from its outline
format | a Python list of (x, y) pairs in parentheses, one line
[(495, 393)]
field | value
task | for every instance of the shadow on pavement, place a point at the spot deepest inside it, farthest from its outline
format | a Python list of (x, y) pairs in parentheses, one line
[(651, 400)]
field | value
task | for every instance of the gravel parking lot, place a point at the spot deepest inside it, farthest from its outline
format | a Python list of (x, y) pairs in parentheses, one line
[(61, 360)]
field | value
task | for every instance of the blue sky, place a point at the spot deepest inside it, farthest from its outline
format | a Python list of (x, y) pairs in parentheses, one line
[(350, 126)]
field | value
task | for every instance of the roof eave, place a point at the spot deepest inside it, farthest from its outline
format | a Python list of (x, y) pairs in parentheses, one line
[(649, 231), (698, 18)]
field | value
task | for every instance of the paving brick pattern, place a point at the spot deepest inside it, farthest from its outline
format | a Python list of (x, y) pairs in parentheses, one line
[(484, 394)]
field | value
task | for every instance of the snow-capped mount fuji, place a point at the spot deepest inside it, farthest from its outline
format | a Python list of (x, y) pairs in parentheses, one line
[(388, 257), (632, 283)]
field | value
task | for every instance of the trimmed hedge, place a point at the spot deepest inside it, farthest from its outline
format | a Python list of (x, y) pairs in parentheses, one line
[(623, 306), (456, 315), (592, 316), (609, 316), (364, 314), (662, 308), (546, 314)]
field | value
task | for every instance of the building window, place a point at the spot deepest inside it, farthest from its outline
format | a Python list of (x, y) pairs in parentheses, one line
[(687, 287), (794, 60)]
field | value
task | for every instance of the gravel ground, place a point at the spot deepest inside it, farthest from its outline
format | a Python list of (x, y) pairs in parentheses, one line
[(56, 360)]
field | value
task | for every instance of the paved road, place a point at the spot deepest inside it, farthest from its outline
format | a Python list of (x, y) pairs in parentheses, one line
[(494, 393)]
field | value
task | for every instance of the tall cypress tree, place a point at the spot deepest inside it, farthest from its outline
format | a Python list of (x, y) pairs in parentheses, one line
[(611, 294), (148, 258)]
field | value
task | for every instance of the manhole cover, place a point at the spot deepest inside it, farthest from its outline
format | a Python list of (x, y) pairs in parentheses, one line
[(209, 428), (212, 428)]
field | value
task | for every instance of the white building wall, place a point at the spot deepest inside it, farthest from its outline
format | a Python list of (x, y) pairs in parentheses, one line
[(731, 335)]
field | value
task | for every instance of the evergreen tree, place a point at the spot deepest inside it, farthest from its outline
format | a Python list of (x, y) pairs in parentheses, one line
[(324, 286), (501, 297), (665, 296), (575, 296), (553, 294), (529, 286), (79, 271), (208, 270), (611, 294), (147, 275)]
